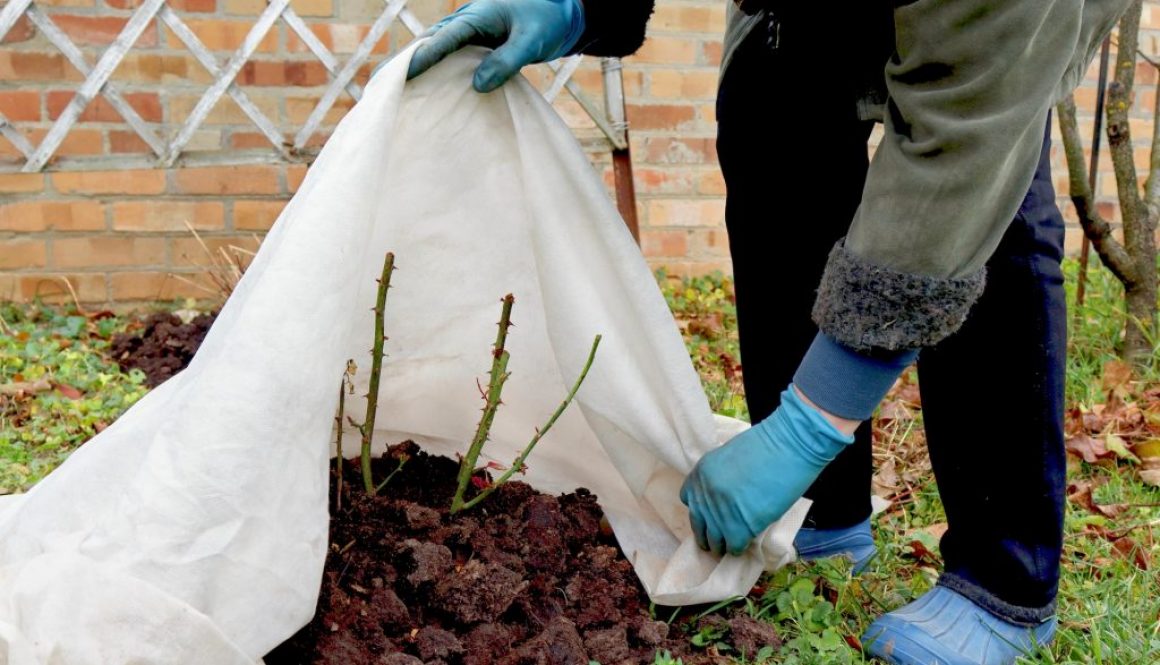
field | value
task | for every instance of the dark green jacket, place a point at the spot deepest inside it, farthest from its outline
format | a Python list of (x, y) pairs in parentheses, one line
[(964, 100)]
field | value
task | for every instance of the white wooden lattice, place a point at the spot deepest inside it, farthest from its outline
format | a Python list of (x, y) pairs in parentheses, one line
[(172, 153)]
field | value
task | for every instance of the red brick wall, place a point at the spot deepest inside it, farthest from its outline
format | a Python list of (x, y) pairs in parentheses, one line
[(122, 235)]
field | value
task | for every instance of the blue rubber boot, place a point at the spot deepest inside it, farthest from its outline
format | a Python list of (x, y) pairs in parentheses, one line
[(943, 627), (855, 543)]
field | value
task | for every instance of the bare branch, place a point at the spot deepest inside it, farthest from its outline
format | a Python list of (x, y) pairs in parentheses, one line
[(1111, 252)]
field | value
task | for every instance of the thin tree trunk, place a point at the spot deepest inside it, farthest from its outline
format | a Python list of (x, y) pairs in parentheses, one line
[(1139, 220)]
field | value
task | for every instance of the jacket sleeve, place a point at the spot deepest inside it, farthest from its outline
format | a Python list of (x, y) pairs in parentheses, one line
[(970, 88), (613, 28)]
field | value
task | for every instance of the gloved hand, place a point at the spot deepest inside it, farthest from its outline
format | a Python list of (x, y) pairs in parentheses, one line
[(521, 31), (739, 489)]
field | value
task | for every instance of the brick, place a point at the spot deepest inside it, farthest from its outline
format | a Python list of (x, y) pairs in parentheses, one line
[(140, 182), (58, 288), (122, 141), (21, 183), (219, 35), (56, 215), (593, 80), (281, 73), (205, 139), (190, 6), (572, 113), (20, 105), (663, 181), (147, 67), (711, 183), (244, 7), (191, 252), (159, 286), (686, 212), (168, 215), (660, 50), (21, 31), (107, 251), (1145, 74), (694, 268), (219, 180), (32, 66), (66, 3), (1072, 240), (22, 253), (248, 140), (341, 38), (298, 109), (707, 114), (76, 142), (664, 243), (712, 52), (683, 83), (670, 117), (670, 17), (708, 243), (295, 174), (226, 111), (101, 30), (256, 215), (313, 7), (146, 104), (670, 150)]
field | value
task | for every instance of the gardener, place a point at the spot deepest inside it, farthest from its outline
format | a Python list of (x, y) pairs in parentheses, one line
[(904, 247)]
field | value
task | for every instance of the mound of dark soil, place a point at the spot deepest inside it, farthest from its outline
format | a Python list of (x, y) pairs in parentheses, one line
[(162, 346), (524, 578)]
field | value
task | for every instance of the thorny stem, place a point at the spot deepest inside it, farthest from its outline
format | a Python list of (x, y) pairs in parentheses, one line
[(368, 426), (518, 465), (498, 377), (343, 387)]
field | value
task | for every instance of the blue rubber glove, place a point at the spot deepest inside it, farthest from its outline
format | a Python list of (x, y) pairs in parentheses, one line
[(739, 489), (520, 31)]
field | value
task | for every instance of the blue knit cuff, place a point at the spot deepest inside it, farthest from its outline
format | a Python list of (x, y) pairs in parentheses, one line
[(845, 382)]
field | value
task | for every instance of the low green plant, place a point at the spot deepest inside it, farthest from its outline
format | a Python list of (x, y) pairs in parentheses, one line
[(706, 312), (58, 387), (666, 658)]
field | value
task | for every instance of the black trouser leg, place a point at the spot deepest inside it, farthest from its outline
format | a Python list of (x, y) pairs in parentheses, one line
[(786, 131), (1002, 479)]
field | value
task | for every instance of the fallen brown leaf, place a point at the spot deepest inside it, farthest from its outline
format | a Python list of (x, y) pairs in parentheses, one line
[(910, 394), (1149, 454), (885, 481), (1088, 448), (895, 410), (1117, 376), (68, 391), (1080, 493), (1131, 550)]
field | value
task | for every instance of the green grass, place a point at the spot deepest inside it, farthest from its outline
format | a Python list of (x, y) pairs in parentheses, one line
[(1109, 604)]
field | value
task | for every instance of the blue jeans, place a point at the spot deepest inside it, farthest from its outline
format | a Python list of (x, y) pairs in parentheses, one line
[(992, 393)]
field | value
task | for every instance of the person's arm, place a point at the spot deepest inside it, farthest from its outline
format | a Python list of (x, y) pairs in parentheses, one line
[(523, 32), (970, 88), (614, 28)]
